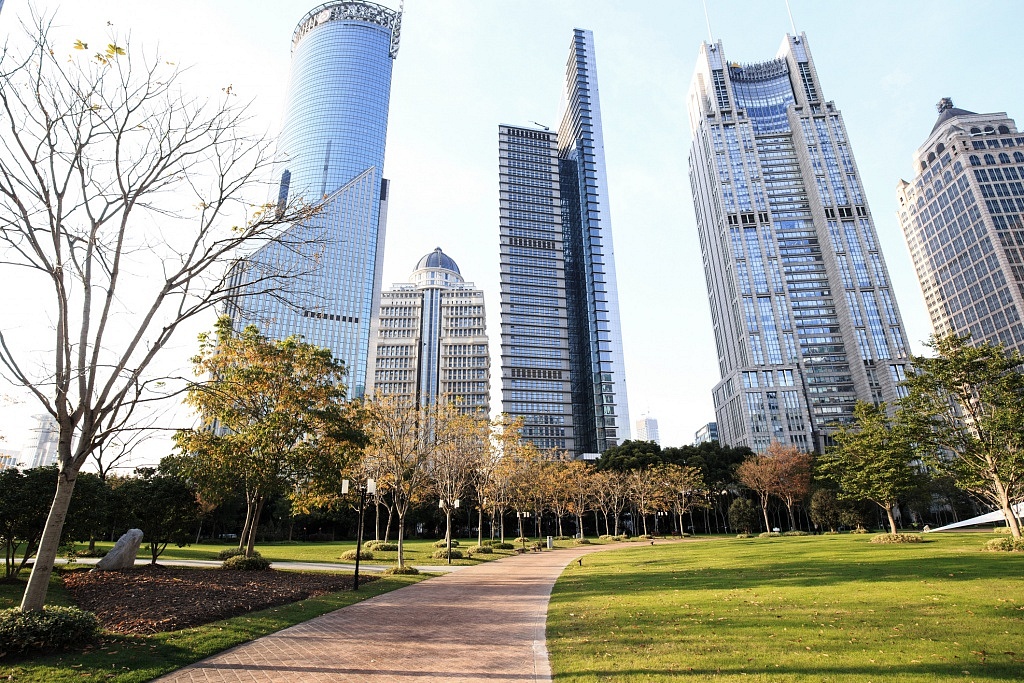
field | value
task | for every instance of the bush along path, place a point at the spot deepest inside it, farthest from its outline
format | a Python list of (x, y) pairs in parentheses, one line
[(479, 624)]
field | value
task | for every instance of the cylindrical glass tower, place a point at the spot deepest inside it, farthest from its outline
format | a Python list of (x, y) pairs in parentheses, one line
[(331, 149)]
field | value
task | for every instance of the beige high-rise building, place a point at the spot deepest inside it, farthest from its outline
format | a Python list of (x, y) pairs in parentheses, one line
[(429, 341), (962, 218)]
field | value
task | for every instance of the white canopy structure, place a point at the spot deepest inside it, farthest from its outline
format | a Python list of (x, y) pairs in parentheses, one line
[(990, 518)]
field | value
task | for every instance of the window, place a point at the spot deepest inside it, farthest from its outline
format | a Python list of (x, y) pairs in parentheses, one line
[(989, 159), (975, 161)]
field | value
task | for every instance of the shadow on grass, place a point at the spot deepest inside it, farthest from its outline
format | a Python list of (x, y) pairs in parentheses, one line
[(1006, 672)]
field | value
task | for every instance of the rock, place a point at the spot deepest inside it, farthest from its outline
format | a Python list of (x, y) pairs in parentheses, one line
[(122, 555)]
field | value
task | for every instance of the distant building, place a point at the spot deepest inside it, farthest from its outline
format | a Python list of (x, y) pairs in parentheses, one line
[(430, 339), (9, 458), (962, 219), (708, 432), (647, 430), (41, 448)]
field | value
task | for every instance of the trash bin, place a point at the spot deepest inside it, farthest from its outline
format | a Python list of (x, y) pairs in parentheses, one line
[(551, 542)]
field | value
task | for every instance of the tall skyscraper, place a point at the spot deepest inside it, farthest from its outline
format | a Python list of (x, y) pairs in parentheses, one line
[(804, 319), (331, 148), (562, 367), (962, 218), (705, 434), (430, 339), (647, 430)]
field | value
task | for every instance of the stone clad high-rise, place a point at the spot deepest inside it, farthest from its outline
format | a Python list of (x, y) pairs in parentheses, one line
[(804, 317), (562, 364), (331, 149), (963, 219), (430, 339)]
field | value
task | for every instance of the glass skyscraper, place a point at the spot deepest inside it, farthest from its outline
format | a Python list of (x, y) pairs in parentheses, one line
[(963, 218), (562, 367), (331, 149), (804, 317)]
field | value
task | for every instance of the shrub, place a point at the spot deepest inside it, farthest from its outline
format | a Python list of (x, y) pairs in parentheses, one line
[(407, 569), (381, 547), (51, 628), (769, 534), (582, 541), (859, 530), (442, 554), (229, 552), (521, 539), (606, 537), (646, 537), (502, 546), (444, 544), (562, 538), (351, 555), (897, 538), (248, 564), (795, 532), (997, 530), (686, 535), (744, 535), (1005, 545), (98, 552), (539, 545), (487, 541), (830, 533), (481, 550)]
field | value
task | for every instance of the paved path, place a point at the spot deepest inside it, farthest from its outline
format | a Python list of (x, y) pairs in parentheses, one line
[(482, 623)]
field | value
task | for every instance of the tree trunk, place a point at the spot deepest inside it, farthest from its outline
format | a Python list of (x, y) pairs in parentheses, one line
[(616, 514), (39, 580), (1007, 509), (764, 511), (401, 539), (251, 541), (560, 532), (892, 518), (376, 520), (502, 526), (519, 519), (447, 527), (480, 526), (387, 529), (250, 508), (792, 519)]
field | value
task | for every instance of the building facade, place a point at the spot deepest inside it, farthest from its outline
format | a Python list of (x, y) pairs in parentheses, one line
[(9, 459), (325, 274), (805, 321), (430, 339), (562, 367), (962, 219), (705, 434), (41, 447), (647, 430)]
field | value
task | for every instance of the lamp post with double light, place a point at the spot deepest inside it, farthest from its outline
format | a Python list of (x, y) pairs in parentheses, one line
[(369, 487)]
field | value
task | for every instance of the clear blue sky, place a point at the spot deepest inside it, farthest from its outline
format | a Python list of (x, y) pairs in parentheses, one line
[(466, 65)]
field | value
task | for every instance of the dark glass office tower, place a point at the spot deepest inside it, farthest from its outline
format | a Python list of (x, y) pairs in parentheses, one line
[(804, 318), (562, 366), (332, 146)]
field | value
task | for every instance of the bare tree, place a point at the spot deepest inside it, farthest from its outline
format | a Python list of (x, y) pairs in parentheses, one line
[(123, 200)]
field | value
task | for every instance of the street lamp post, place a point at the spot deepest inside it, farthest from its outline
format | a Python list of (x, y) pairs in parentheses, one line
[(522, 516), (370, 487)]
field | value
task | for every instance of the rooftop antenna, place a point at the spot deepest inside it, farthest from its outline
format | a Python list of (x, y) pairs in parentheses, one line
[(792, 24), (540, 124), (707, 19)]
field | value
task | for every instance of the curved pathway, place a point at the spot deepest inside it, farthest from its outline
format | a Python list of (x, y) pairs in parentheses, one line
[(483, 623)]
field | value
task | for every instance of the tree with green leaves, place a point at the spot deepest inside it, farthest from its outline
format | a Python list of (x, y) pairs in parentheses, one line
[(969, 399), (162, 506), (742, 516), (876, 459), (274, 417), (630, 455)]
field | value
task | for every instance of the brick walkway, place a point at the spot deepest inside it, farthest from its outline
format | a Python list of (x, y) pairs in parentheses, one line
[(484, 623)]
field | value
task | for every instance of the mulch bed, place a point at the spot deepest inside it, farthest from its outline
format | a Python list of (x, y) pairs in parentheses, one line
[(153, 599)]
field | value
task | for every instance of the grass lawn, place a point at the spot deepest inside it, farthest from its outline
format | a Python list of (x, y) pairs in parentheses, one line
[(821, 608), (417, 552), (127, 659)]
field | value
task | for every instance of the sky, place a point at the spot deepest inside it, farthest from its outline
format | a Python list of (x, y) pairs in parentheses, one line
[(464, 66)]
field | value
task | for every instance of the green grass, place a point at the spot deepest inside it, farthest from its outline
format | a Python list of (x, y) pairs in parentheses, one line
[(822, 608), (417, 552), (128, 659)]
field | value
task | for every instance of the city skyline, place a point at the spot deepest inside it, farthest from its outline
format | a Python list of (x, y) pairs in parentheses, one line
[(880, 64)]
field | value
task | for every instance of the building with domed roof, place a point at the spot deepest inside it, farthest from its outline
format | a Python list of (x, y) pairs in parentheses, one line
[(963, 219), (429, 341)]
